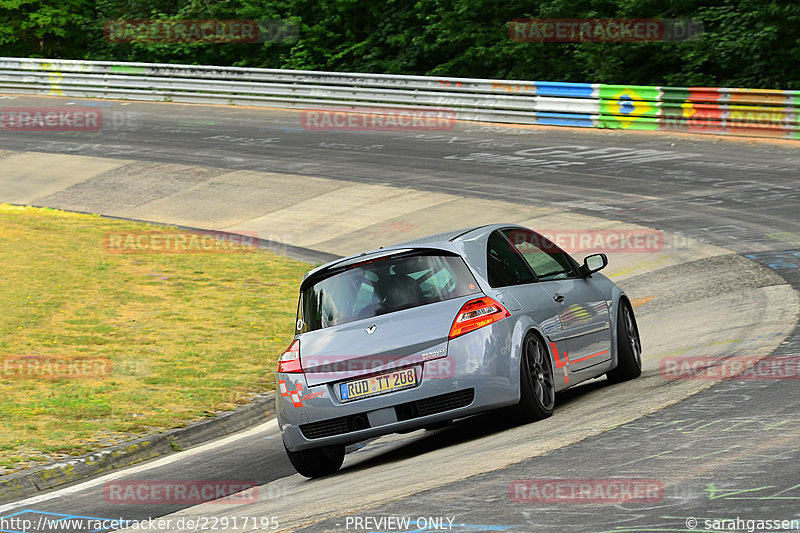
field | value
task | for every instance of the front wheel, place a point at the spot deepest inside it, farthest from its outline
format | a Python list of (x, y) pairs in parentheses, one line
[(629, 347), (317, 462), (537, 386)]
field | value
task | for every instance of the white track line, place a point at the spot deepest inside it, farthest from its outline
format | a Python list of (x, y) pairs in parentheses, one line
[(271, 425)]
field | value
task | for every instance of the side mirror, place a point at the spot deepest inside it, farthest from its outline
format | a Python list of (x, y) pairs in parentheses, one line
[(593, 263)]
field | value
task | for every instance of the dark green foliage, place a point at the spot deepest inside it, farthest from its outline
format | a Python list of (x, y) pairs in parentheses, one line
[(746, 43)]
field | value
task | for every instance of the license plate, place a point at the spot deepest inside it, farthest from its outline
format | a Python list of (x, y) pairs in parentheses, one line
[(360, 388)]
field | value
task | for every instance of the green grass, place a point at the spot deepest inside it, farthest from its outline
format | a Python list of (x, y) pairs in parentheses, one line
[(188, 335)]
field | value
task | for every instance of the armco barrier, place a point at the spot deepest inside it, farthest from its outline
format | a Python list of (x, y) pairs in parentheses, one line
[(771, 113)]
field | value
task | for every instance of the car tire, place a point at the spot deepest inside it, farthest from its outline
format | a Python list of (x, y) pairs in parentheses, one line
[(629, 346), (317, 462), (537, 384)]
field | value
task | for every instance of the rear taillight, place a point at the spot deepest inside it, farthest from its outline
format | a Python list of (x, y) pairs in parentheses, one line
[(290, 359), (476, 314)]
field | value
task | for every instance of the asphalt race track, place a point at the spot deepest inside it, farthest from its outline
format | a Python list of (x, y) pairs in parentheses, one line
[(726, 284)]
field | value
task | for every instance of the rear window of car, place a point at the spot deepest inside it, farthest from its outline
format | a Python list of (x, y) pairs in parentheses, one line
[(381, 287)]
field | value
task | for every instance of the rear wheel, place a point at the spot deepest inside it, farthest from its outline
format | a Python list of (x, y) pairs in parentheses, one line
[(537, 386), (629, 347), (317, 462)]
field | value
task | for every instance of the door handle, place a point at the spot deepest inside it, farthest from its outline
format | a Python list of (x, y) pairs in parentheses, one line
[(558, 298)]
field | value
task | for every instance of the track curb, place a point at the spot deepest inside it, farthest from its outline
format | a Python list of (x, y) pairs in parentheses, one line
[(30, 482)]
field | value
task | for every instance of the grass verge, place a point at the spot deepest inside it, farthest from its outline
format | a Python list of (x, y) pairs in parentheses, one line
[(178, 337)]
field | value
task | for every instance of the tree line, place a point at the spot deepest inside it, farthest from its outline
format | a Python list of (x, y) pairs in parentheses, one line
[(743, 43)]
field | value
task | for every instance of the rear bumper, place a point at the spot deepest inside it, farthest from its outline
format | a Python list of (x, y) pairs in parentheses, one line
[(476, 376)]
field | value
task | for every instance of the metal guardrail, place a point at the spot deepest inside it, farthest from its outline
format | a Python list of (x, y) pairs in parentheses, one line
[(771, 113)]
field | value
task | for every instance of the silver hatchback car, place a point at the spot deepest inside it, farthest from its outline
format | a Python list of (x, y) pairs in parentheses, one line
[(440, 328)]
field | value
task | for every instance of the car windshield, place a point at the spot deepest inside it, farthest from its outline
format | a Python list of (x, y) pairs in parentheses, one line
[(381, 287)]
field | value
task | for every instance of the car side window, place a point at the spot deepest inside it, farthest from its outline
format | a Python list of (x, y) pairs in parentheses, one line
[(505, 266), (547, 260)]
